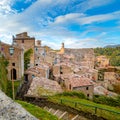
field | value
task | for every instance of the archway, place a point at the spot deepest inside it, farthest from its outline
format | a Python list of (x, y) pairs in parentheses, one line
[(13, 74)]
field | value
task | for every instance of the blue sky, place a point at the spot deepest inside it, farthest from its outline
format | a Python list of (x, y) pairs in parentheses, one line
[(77, 23)]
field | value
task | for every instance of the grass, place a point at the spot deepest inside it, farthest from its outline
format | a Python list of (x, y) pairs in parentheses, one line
[(87, 106), (37, 111)]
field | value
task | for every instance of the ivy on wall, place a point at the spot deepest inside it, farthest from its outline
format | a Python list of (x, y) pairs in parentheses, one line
[(27, 56), (3, 74)]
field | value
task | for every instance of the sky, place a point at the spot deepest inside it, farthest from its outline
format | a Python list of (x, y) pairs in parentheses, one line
[(77, 23)]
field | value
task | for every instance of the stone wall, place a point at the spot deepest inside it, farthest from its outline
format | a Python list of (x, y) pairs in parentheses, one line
[(87, 90), (14, 60), (9, 110)]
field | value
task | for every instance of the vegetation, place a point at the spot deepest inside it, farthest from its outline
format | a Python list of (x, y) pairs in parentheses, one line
[(116, 88), (112, 53), (37, 111), (9, 87), (105, 111), (107, 100), (5, 84), (44, 92), (3, 74), (72, 94), (27, 56)]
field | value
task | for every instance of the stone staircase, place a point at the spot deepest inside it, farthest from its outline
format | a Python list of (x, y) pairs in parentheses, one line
[(64, 115)]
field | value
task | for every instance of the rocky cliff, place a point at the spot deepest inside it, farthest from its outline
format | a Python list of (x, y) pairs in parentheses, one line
[(9, 110)]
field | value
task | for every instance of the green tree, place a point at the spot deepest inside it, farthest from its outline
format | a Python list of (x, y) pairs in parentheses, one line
[(27, 56), (3, 74)]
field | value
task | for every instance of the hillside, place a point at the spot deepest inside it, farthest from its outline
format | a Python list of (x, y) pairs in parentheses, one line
[(112, 46), (79, 102)]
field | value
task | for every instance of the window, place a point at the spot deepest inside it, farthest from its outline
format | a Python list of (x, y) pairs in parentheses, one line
[(87, 88), (88, 95), (61, 72), (13, 64), (33, 76), (22, 41), (36, 49), (70, 86)]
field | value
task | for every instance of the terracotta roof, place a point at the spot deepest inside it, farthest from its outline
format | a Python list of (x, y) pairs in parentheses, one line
[(80, 81)]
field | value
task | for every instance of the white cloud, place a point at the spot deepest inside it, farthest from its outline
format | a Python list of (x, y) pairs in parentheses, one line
[(82, 19), (89, 4), (5, 7), (45, 20), (68, 17), (99, 18), (27, 1), (82, 43)]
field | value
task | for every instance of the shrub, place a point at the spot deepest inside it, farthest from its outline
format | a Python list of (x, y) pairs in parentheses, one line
[(107, 100), (73, 94)]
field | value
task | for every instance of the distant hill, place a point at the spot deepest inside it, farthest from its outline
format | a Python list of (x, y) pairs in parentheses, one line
[(112, 46)]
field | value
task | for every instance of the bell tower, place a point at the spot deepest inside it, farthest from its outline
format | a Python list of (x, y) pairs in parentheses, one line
[(62, 50)]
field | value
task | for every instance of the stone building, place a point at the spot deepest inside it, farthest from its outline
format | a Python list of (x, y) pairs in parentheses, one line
[(40, 53), (102, 61), (22, 40), (61, 69), (16, 63), (81, 54), (41, 70), (75, 82)]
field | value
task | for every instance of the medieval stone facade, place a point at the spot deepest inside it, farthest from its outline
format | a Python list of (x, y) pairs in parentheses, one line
[(16, 64), (22, 40)]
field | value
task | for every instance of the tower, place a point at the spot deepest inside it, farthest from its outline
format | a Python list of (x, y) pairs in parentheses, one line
[(63, 45), (62, 50), (24, 41)]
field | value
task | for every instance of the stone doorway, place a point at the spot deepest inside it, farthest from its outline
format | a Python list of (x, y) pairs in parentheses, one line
[(26, 77), (13, 74)]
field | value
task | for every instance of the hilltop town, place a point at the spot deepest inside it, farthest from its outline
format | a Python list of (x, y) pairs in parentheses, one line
[(53, 71)]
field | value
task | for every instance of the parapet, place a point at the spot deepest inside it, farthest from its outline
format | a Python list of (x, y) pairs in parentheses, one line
[(22, 35)]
